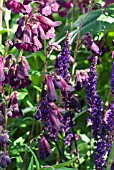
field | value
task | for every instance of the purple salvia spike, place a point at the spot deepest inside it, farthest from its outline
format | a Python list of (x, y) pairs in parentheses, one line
[(112, 80)]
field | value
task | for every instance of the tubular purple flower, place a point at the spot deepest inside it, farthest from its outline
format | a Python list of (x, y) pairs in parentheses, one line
[(2, 75), (20, 29), (25, 63), (51, 89), (65, 86), (56, 124), (41, 151), (47, 21)]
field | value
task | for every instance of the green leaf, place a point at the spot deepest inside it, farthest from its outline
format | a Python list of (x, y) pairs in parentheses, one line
[(30, 167), (85, 138), (93, 23), (35, 158), (21, 95), (65, 163), (3, 31), (51, 168), (39, 54)]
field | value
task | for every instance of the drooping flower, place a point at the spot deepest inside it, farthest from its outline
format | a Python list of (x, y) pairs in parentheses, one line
[(91, 44), (44, 148), (51, 89), (13, 109)]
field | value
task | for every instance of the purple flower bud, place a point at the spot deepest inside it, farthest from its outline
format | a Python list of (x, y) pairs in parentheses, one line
[(79, 83), (10, 43), (46, 146), (9, 113), (5, 137), (2, 75), (51, 89), (41, 151), (16, 112), (3, 162), (8, 160)]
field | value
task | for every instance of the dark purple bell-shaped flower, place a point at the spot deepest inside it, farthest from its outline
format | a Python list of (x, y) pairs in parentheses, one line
[(46, 146), (55, 122), (74, 104), (51, 89), (41, 151)]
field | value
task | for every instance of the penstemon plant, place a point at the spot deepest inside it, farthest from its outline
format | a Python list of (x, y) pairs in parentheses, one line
[(56, 85)]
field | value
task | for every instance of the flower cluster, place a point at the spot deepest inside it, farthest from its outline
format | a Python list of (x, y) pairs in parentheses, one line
[(29, 36)]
